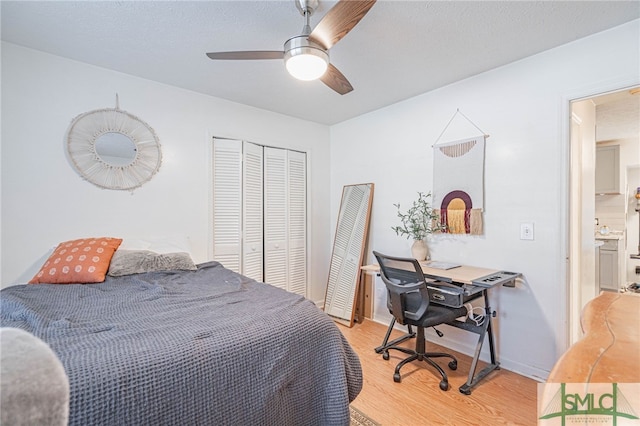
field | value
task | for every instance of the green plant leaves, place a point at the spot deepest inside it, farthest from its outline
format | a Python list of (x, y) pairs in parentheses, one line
[(419, 220)]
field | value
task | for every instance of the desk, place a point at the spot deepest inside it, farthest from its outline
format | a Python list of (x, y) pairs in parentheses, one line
[(470, 277)]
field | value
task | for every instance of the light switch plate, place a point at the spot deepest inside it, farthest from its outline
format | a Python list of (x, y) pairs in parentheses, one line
[(526, 231)]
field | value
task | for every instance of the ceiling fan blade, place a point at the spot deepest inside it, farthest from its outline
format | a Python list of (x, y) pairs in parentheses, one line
[(339, 21), (336, 81), (247, 55)]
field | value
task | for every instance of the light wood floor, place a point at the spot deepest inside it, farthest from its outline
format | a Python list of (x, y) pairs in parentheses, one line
[(502, 398)]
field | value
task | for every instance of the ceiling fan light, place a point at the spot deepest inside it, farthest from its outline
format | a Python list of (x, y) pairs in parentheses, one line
[(304, 59), (306, 66)]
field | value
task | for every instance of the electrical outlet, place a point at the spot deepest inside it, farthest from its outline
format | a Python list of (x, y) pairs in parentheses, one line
[(526, 231)]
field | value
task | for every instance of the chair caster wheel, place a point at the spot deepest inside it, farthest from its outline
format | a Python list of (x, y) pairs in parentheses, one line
[(444, 385), (453, 365), (385, 356), (396, 378)]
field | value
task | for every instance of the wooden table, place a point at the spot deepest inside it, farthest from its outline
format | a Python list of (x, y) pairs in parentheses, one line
[(600, 374), (462, 274), (610, 350)]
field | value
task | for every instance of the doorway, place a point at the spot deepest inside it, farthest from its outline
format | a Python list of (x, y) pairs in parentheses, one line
[(600, 122)]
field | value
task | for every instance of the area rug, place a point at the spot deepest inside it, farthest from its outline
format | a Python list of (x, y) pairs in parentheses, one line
[(358, 418)]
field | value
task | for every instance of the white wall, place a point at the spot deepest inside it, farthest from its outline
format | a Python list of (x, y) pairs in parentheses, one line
[(44, 201), (524, 107)]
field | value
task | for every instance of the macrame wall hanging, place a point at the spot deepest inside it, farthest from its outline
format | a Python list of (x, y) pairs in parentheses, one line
[(458, 182), (113, 149)]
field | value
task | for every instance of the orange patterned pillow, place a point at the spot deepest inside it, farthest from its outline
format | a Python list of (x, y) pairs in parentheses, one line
[(78, 261)]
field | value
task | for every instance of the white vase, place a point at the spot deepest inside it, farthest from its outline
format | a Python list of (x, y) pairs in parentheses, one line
[(419, 250)]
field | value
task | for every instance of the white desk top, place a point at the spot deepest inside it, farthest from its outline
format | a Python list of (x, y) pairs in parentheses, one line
[(462, 274)]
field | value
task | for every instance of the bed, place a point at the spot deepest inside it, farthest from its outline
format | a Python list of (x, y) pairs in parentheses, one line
[(205, 346)]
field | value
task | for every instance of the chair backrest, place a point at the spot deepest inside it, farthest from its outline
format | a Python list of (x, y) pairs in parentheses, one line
[(407, 289)]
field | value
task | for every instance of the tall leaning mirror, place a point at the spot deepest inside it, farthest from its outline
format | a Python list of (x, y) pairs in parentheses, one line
[(349, 246)]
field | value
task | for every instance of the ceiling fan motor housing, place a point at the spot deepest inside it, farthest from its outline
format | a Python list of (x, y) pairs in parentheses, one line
[(306, 7)]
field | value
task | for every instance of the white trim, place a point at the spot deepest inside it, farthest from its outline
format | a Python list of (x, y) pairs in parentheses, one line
[(581, 93), (575, 118), (209, 141)]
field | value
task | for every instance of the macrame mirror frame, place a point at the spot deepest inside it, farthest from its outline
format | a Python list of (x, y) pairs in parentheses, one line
[(134, 159)]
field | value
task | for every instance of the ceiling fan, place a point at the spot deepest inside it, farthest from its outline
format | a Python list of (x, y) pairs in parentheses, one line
[(306, 56)]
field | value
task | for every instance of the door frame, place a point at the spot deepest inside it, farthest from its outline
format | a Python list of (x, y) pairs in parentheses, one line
[(571, 314)]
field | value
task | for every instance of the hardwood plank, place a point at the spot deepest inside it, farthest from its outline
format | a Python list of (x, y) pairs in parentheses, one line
[(503, 398)]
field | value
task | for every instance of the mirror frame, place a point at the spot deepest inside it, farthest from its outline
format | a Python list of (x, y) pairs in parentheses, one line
[(88, 127), (348, 253)]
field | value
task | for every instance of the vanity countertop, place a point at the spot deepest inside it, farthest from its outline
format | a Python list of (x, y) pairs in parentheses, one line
[(609, 236)]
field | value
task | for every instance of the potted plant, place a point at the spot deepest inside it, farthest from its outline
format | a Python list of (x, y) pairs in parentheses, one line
[(418, 222)]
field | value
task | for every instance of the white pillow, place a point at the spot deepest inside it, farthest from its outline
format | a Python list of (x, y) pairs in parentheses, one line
[(161, 245)]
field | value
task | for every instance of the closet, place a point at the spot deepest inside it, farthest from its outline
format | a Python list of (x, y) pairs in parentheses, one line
[(259, 212)]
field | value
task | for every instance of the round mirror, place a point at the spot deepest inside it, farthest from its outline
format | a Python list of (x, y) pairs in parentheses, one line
[(115, 149)]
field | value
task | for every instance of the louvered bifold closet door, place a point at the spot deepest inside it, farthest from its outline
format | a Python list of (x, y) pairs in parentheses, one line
[(297, 220), (227, 203), (346, 251), (275, 217), (252, 211), (259, 212)]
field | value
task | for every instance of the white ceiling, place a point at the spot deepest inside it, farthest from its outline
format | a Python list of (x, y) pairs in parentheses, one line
[(617, 115), (400, 49)]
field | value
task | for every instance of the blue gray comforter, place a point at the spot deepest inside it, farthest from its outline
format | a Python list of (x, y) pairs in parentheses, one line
[(205, 347)]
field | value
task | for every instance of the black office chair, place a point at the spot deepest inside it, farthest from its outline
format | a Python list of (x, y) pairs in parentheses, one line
[(408, 301)]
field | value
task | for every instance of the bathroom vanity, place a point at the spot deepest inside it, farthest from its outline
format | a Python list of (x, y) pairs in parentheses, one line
[(611, 262)]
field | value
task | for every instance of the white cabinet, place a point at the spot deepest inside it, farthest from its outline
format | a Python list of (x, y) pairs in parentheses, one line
[(610, 262), (608, 169), (608, 270)]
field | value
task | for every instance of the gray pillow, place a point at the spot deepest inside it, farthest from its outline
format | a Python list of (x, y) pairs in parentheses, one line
[(127, 262)]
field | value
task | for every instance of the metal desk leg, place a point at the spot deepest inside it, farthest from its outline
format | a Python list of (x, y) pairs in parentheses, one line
[(386, 343), (485, 328)]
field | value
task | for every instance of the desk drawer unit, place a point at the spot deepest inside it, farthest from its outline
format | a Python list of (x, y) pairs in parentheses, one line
[(452, 295)]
